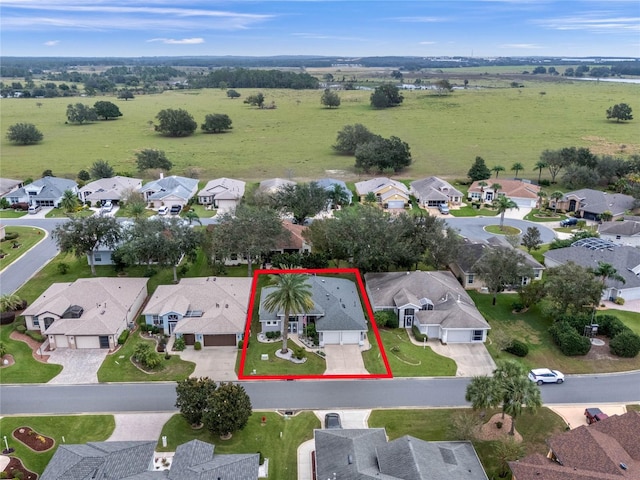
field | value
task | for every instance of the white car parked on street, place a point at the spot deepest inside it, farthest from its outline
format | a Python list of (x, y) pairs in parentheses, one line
[(545, 375)]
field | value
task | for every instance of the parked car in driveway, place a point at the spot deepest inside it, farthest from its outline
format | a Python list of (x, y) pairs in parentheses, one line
[(175, 209), (163, 210), (444, 209), (332, 420), (545, 375), (107, 207), (594, 415), (569, 222)]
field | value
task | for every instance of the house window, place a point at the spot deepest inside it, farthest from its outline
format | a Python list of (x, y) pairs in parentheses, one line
[(537, 273), (476, 195), (156, 320), (172, 317), (97, 257), (618, 237), (271, 323), (36, 322), (234, 256), (477, 335), (470, 278)]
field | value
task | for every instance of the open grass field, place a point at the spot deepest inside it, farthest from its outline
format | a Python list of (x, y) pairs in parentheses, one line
[(278, 439), (503, 125)]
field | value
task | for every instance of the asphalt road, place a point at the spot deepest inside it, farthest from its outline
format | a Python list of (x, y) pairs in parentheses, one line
[(473, 227), (396, 393)]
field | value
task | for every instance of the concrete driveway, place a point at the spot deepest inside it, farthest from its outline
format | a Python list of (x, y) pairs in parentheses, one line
[(574, 417), (217, 363), (344, 360), (472, 359), (79, 365), (133, 426)]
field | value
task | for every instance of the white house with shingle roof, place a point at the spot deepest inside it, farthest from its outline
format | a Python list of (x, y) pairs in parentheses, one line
[(87, 313), (522, 192), (626, 232), (433, 191), (109, 189), (169, 191), (46, 192), (590, 204), (337, 312), (433, 301), (224, 194), (209, 310)]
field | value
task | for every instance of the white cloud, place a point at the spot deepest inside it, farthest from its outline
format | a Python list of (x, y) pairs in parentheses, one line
[(182, 41), (51, 43), (594, 22), (320, 36), (427, 43)]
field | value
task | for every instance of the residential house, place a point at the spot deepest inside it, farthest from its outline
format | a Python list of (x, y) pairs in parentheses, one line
[(8, 185), (626, 232), (46, 192), (433, 301), (330, 184), (223, 194), (605, 450), (433, 191), (366, 454), (137, 460), (589, 251), (87, 313), (522, 192), (591, 204), (389, 193), (337, 312), (295, 241), (169, 191), (209, 310), (109, 189), (464, 267)]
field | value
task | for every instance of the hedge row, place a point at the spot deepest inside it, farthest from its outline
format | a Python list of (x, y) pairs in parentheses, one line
[(570, 342)]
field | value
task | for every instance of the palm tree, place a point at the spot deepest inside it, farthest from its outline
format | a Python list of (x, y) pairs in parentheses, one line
[(482, 394), (519, 393), (10, 302), (497, 169), (502, 204), (69, 201), (557, 195), (338, 196), (540, 165), (517, 167), (136, 209), (291, 293), (496, 187), (606, 271), (541, 196), (192, 216)]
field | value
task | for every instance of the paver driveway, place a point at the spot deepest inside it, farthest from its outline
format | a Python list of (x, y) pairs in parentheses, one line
[(79, 365)]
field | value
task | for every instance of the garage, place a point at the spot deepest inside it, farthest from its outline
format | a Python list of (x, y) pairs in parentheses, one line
[(330, 338), (189, 338), (433, 331), (61, 341), (87, 341), (395, 204), (458, 336), (222, 340), (350, 338)]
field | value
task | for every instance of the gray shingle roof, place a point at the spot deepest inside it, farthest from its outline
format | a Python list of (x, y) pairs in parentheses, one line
[(597, 202), (626, 228), (52, 188), (434, 188), (181, 187)]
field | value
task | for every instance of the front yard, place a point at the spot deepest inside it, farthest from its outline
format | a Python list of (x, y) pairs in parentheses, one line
[(532, 328), (74, 429), (278, 439), (27, 238), (315, 365)]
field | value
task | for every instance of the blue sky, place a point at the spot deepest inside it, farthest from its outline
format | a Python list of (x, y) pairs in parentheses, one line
[(483, 28)]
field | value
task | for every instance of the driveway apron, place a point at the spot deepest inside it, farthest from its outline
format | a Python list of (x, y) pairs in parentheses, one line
[(134, 426), (80, 366), (217, 363), (344, 360), (472, 359)]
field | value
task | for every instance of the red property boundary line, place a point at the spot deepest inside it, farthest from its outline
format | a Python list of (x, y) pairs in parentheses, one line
[(367, 305)]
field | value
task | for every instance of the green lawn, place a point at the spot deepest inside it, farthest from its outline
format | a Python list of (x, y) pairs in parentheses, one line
[(505, 230), (117, 367), (11, 213), (315, 365), (435, 425), (28, 237), (278, 439), (409, 360), (25, 369), (372, 358), (532, 328), (267, 143), (74, 429), (473, 212), (59, 213), (535, 216)]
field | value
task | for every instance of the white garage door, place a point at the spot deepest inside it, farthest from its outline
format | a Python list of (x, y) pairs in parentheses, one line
[(331, 338), (61, 341), (395, 204), (92, 341), (630, 293), (458, 336), (433, 332), (524, 202), (350, 338)]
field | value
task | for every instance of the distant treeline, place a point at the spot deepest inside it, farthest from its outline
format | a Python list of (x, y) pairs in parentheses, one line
[(246, 78)]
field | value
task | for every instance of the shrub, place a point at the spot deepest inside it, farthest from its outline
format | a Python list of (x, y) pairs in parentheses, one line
[(197, 346), (261, 458), (36, 335), (123, 337), (63, 268), (619, 301), (610, 325), (3, 474), (240, 345), (517, 348), (419, 336), (625, 344), (179, 344), (11, 236), (272, 335), (21, 328), (299, 353), (7, 317), (570, 342), (517, 306), (386, 318), (149, 272), (144, 327), (167, 356)]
